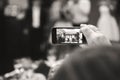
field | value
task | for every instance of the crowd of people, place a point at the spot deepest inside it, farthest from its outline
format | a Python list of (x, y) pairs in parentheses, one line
[(97, 59)]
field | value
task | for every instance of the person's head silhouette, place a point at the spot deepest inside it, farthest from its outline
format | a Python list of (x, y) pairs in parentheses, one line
[(99, 63)]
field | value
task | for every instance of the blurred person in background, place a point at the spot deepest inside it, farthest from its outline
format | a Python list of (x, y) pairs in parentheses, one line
[(57, 65), (51, 57), (29, 67), (24, 70), (70, 12), (45, 65), (107, 22), (16, 25), (15, 33)]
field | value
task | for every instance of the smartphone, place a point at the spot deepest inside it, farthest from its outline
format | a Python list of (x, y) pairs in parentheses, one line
[(63, 35)]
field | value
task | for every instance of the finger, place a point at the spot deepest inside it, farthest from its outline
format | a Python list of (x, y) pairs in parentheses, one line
[(87, 31), (82, 25), (94, 28)]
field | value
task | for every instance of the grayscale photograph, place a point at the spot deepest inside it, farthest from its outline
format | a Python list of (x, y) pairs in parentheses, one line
[(59, 39)]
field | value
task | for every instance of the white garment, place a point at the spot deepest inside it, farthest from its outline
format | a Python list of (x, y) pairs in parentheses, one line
[(108, 25)]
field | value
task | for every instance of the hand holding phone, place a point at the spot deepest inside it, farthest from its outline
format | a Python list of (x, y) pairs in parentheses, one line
[(94, 36), (87, 34)]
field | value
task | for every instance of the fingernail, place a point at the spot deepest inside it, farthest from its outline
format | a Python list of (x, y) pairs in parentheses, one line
[(82, 25)]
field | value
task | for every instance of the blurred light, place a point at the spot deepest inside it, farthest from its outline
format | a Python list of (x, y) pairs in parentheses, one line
[(36, 15)]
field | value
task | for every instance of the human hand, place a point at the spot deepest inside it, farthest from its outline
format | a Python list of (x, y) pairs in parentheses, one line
[(93, 36)]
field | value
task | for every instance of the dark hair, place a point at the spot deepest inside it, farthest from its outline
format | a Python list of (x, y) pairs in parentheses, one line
[(100, 63)]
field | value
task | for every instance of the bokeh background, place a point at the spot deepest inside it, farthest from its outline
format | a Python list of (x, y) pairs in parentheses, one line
[(25, 27)]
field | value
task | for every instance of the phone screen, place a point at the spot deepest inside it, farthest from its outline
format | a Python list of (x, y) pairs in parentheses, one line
[(67, 36)]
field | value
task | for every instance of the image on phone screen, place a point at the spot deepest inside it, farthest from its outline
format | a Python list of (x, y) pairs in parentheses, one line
[(67, 36)]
